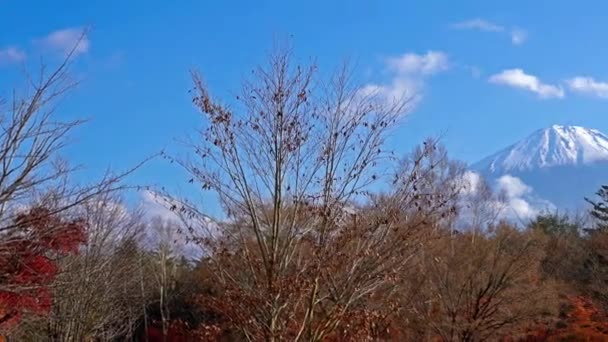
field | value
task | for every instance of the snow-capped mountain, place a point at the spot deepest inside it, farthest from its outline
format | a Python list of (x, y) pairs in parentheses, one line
[(554, 146), (562, 164)]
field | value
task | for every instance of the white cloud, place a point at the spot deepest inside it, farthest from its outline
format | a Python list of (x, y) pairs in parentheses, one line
[(413, 64), (512, 186), (510, 198), (522, 208), (175, 231), (588, 86), (519, 198), (478, 24), (399, 89), (168, 232), (479, 205), (64, 40), (517, 78), (518, 35), (408, 74), (471, 182), (155, 205), (11, 54)]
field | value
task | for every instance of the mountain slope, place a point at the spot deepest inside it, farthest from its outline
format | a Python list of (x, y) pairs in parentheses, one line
[(554, 146), (562, 164)]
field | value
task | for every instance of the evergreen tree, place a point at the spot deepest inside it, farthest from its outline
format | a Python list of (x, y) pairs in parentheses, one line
[(555, 224), (599, 210)]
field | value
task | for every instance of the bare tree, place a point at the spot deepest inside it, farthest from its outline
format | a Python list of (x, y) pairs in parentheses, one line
[(475, 287), (163, 266), (34, 179), (96, 294), (303, 247), (32, 138)]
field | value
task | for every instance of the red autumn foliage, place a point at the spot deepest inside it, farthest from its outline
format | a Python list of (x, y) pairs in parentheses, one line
[(155, 334), (586, 320), (27, 265), (179, 331), (583, 321)]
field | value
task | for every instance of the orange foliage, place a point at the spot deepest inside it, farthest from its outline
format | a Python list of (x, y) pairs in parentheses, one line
[(583, 322)]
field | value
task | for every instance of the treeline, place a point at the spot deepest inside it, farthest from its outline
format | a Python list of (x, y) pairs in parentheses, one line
[(326, 234)]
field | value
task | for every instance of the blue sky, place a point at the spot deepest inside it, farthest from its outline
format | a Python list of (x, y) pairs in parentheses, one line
[(495, 70)]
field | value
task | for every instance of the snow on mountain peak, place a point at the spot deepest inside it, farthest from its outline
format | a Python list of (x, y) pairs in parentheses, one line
[(557, 145)]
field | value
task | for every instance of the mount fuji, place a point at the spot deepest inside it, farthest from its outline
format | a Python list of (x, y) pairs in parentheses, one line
[(560, 164)]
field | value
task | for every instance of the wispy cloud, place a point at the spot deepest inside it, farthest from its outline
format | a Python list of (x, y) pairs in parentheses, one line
[(65, 40), (517, 78), (114, 60), (588, 86), (413, 64), (475, 71), (518, 35), (478, 24), (408, 74), (11, 54)]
